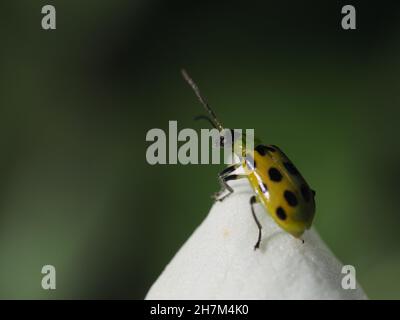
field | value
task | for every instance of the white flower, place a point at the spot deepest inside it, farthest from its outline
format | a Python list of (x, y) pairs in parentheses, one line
[(219, 261)]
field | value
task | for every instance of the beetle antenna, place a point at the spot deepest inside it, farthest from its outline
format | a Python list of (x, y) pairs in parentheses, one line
[(206, 106)]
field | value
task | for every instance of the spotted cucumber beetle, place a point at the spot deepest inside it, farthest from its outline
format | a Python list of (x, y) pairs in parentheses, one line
[(276, 182)]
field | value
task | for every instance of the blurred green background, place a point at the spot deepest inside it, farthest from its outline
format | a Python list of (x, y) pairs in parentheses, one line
[(76, 103)]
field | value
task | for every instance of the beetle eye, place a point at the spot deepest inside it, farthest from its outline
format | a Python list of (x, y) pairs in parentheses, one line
[(222, 141), (227, 137)]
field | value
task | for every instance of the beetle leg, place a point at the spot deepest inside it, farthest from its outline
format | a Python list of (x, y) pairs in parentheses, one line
[(223, 174), (225, 186), (253, 200), (229, 169)]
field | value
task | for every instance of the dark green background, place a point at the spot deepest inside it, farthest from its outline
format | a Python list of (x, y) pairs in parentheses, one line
[(76, 103)]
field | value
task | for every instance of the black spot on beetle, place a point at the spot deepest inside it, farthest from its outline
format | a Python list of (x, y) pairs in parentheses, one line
[(291, 168), (261, 149), (281, 213), (274, 174), (290, 198), (305, 192)]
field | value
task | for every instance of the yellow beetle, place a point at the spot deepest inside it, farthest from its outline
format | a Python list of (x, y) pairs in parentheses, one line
[(276, 182)]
